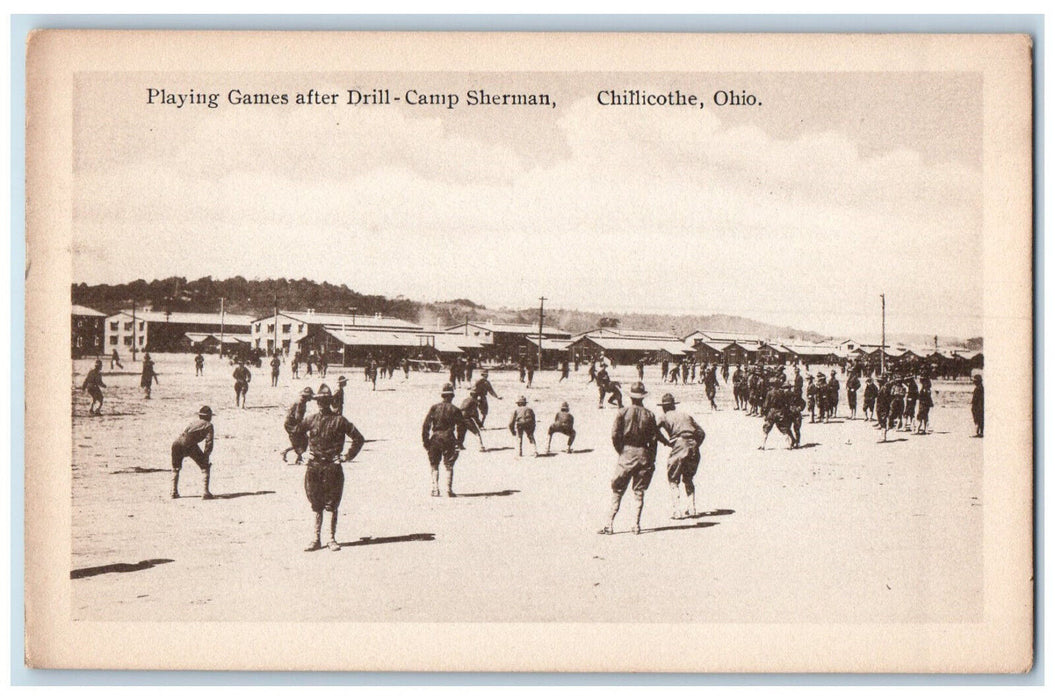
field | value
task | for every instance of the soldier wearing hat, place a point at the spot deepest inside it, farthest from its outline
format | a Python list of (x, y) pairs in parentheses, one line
[(186, 445), (684, 437), (822, 398), (148, 377), (811, 398), (481, 389), (438, 437), (563, 423), (978, 406), (896, 410), (276, 365), (338, 396), (324, 477), (911, 397), (871, 393), (634, 437), (925, 403), (710, 384), (294, 417), (523, 423), (242, 377), (775, 411), (471, 413), (94, 384), (852, 385), (199, 365), (833, 393)]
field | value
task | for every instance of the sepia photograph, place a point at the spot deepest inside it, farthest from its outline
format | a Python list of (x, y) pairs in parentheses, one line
[(529, 352)]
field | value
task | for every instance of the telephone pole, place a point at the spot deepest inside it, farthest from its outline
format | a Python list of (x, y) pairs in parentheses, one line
[(221, 326), (133, 329), (882, 347), (275, 349), (541, 301)]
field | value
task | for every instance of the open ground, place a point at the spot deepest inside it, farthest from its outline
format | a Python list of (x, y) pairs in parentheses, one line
[(846, 529)]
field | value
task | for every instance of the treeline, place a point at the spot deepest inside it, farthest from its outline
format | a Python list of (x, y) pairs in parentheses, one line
[(242, 296), (258, 298)]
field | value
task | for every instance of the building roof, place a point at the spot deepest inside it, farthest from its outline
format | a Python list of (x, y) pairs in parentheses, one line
[(716, 345), (968, 354), (367, 337), (630, 333), (551, 343), (228, 338), (642, 344), (186, 317), (723, 336), (514, 328), (79, 310), (315, 318)]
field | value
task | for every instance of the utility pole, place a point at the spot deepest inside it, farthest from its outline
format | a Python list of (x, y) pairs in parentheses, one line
[(541, 301), (882, 348), (133, 329), (353, 309), (221, 326), (275, 349)]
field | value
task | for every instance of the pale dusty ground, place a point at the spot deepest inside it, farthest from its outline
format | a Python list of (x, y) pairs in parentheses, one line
[(846, 529)]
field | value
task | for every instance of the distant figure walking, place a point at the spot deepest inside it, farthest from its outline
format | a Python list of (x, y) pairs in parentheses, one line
[(978, 406), (115, 360), (276, 365), (199, 365), (149, 377), (242, 377)]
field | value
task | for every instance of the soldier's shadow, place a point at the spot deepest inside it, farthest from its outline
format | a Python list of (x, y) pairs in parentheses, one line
[(488, 494), (808, 445), (498, 449), (900, 439), (241, 494), (582, 451), (415, 537), (117, 568), (661, 528), (139, 470), (712, 514)]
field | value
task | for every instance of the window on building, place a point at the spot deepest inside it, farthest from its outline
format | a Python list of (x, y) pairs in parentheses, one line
[(258, 330), (300, 327), (271, 328), (141, 324), (80, 342), (128, 325), (142, 341), (127, 340), (113, 340), (114, 325), (287, 328)]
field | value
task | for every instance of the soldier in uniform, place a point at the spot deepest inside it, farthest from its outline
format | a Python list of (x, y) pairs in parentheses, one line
[(276, 365), (634, 437), (186, 445), (94, 384), (911, 396), (242, 377), (852, 385), (149, 377), (338, 396), (438, 437), (471, 423), (737, 388), (603, 381), (664, 369), (565, 371), (710, 385), (294, 417), (775, 412), (823, 398), (521, 424), (978, 406), (793, 407), (798, 381), (641, 369), (530, 374), (684, 437), (563, 423), (871, 392), (323, 364), (481, 389), (115, 359), (811, 397), (199, 365), (324, 477), (925, 403), (833, 389), (294, 365)]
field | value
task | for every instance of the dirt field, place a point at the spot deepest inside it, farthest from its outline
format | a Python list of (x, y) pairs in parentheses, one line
[(846, 529)]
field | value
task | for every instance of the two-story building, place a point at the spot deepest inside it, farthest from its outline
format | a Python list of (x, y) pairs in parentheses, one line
[(164, 331), (86, 331)]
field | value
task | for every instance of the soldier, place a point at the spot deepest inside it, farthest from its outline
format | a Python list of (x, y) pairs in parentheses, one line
[(911, 396), (811, 397), (471, 413), (323, 363), (338, 396), (823, 397), (833, 389), (593, 372), (530, 374), (242, 377), (186, 445), (481, 389), (775, 412), (641, 369), (523, 370), (798, 381), (793, 407), (664, 369), (684, 437), (710, 385), (371, 373), (199, 365), (852, 385), (276, 364), (925, 403), (565, 371), (294, 365), (725, 372), (149, 377), (523, 423), (634, 437), (675, 371), (406, 369), (563, 423), (324, 477), (438, 437), (871, 392), (94, 384), (470, 364), (452, 373), (603, 381), (115, 360), (897, 407), (883, 401), (738, 389), (978, 406), (294, 417)]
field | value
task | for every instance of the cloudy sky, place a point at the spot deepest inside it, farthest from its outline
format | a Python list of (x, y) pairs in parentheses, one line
[(800, 211)]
